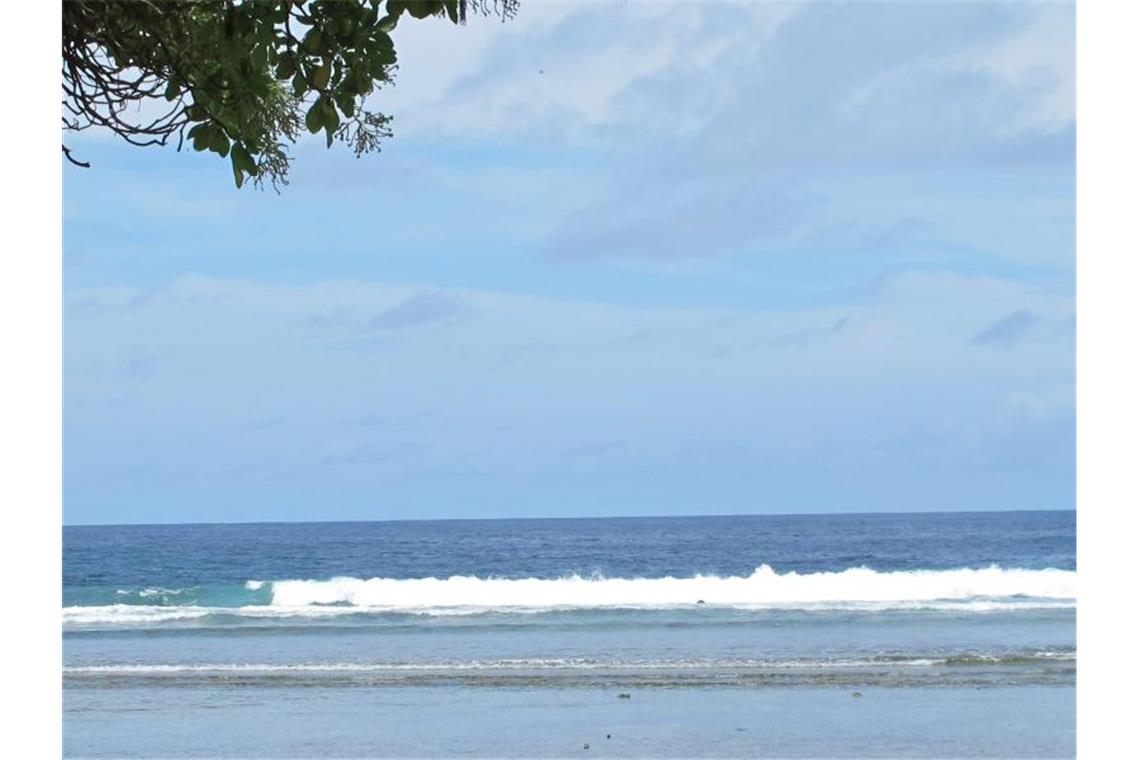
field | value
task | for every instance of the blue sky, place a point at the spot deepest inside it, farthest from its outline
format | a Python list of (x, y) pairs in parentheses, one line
[(618, 259)]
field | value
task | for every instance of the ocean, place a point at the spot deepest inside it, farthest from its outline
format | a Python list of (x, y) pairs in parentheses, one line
[(889, 635)]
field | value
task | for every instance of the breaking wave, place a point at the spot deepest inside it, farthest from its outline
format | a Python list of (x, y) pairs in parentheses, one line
[(765, 587), (964, 589)]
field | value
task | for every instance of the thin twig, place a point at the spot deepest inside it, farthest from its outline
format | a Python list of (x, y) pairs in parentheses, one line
[(72, 159)]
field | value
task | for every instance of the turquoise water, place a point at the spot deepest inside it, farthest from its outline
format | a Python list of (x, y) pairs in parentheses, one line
[(741, 636)]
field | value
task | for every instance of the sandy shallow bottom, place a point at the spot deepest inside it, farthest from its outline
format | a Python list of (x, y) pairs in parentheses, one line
[(451, 721)]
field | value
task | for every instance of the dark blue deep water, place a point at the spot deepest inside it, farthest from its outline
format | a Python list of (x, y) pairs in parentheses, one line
[(635, 547)]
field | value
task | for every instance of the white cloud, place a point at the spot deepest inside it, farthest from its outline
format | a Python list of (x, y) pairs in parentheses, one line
[(799, 79), (1041, 58), (560, 67)]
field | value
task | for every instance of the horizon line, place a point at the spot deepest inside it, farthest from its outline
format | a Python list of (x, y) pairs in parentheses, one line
[(565, 517)]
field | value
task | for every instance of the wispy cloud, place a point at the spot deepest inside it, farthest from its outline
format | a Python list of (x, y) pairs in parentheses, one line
[(810, 335), (419, 309), (665, 224), (921, 82), (1008, 331)]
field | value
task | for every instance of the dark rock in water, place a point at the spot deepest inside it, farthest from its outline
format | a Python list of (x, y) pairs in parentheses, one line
[(586, 745), (607, 736), (857, 694), (623, 695), (700, 601)]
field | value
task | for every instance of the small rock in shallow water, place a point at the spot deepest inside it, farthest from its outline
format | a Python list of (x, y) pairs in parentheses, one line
[(586, 745), (623, 695), (857, 694)]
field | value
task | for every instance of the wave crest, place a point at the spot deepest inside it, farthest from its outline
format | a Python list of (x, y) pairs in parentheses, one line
[(764, 588)]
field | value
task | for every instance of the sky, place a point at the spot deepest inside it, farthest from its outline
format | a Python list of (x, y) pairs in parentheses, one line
[(617, 259)]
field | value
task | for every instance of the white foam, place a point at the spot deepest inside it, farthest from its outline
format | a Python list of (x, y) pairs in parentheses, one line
[(138, 613), (131, 613), (476, 665), (540, 663), (162, 591), (764, 588)]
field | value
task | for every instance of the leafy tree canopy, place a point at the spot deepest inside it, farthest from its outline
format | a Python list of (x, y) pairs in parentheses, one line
[(245, 79)]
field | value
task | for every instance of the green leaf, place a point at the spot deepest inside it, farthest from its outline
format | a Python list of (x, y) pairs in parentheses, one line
[(346, 102), (381, 61), (202, 137), (172, 90), (329, 117), (387, 24), (238, 178), (242, 160), (287, 66), (423, 8), (314, 118), (330, 120), (383, 40), (312, 41), (260, 58), (299, 84), (219, 143), (350, 84), (259, 86), (321, 75)]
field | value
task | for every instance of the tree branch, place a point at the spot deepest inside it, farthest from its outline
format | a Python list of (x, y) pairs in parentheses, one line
[(77, 162)]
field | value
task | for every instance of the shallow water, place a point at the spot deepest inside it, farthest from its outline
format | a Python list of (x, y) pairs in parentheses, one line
[(1014, 721)]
